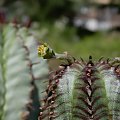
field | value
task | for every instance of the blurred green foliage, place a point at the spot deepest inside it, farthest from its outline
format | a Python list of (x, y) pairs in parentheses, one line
[(98, 45), (53, 25)]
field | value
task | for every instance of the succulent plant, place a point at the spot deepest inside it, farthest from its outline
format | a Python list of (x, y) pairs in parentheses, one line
[(20, 78), (83, 91), (75, 90)]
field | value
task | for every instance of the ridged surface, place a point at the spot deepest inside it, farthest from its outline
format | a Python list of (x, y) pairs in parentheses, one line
[(112, 84), (16, 76), (1, 76), (39, 71), (22, 75), (82, 91), (78, 90)]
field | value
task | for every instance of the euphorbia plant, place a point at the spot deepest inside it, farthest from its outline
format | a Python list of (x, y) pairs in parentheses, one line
[(82, 90), (74, 90)]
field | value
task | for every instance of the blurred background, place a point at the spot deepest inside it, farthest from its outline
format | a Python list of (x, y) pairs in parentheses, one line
[(81, 27)]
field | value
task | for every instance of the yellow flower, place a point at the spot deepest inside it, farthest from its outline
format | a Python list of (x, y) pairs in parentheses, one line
[(45, 51), (42, 49)]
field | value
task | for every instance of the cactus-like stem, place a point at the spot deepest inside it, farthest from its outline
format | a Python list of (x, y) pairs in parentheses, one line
[(77, 90), (82, 91), (21, 83)]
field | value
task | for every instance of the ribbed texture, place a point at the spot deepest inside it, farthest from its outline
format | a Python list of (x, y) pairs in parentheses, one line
[(21, 79), (82, 91)]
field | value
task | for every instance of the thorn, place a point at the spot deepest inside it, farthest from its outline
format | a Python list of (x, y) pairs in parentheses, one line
[(100, 59), (90, 63), (89, 70), (41, 113), (51, 113), (82, 61), (41, 108), (51, 106), (74, 59), (88, 74), (61, 67), (53, 92), (108, 60), (117, 70), (90, 58), (52, 102), (57, 81)]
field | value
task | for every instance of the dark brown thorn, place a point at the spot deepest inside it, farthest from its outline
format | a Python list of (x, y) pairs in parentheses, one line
[(108, 60), (84, 110), (82, 61), (85, 101), (74, 59), (51, 107), (51, 97), (100, 60), (90, 58), (117, 71), (90, 63), (43, 108)]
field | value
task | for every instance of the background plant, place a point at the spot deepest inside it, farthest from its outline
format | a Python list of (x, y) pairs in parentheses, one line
[(19, 76), (56, 86), (58, 29)]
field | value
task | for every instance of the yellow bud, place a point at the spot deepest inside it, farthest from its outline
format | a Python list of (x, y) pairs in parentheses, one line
[(42, 49)]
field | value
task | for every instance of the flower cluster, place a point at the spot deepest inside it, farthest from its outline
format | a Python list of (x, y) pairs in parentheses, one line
[(42, 49), (45, 51)]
